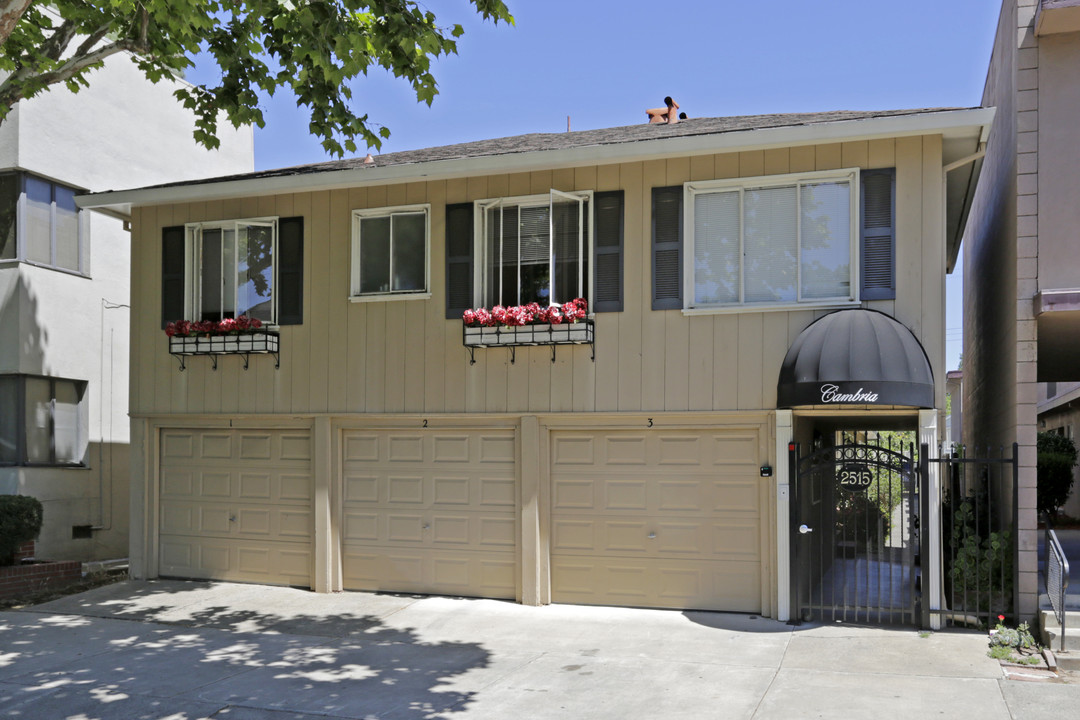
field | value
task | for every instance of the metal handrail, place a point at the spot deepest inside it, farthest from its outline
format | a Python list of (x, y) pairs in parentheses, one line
[(1057, 576)]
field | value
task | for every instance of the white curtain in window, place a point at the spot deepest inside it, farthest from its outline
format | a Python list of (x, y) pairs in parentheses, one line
[(38, 220), (66, 425), (716, 248), (826, 240), (38, 414), (67, 229), (770, 247)]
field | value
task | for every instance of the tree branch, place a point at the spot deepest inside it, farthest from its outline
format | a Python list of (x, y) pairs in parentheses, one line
[(10, 13), (14, 86), (93, 39)]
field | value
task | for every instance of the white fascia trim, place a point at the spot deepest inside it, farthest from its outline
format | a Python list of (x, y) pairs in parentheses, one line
[(970, 122)]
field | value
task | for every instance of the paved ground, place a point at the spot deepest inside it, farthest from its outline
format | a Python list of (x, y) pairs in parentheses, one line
[(185, 650)]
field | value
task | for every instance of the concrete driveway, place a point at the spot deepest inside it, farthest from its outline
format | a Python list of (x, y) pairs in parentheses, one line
[(184, 650)]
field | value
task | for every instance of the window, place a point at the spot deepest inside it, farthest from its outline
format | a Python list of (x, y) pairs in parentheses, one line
[(780, 240), (43, 421), (535, 249), (231, 270), (40, 223), (390, 253)]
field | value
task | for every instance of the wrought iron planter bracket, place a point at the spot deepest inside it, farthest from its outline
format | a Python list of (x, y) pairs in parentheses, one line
[(264, 342), (529, 336)]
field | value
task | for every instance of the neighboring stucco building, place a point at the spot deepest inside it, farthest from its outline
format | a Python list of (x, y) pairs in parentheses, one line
[(384, 447), (1021, 266), (1059, 412), (64, 293)]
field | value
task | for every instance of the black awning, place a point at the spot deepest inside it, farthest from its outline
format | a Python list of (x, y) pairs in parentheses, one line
[(856, 357)]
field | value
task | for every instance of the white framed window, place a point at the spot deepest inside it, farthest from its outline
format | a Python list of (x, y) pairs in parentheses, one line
[(390, 253), (772, 241), (534, 249), (231, 270), (43, 421), (40, 224)]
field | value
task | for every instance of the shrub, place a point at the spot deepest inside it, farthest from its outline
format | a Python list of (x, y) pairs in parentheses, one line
[(20, 520), (979, 561), (1055, 461)]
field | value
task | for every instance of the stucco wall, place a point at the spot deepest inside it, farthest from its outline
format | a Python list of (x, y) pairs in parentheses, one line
[(1001, 248), (120, 132), (1059, 170)]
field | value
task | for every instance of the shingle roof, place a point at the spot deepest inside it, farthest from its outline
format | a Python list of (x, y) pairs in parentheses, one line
[(535, 142)]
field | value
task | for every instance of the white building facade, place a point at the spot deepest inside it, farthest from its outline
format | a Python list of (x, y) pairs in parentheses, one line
[(65, 288)]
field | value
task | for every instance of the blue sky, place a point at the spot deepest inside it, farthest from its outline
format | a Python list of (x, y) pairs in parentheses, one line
[(603, 62)]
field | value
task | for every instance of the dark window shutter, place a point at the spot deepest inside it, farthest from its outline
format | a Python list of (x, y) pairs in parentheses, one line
[(608, 251), (667, 238), (459, 259), (172, 274), (290, 262), (877, 234)]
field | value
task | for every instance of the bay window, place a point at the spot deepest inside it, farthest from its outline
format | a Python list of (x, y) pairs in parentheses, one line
[(43, 421), (40, 223)]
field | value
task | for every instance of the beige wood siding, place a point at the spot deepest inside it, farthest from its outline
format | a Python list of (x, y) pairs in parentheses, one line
[(432, 512), (405, 357), (658, 519), (236, 505)]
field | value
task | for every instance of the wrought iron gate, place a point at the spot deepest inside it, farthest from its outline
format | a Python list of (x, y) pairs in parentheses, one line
[(855, 534)]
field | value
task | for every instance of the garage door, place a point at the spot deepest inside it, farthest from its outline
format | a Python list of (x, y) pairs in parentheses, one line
[(657, 519), (430, 512), (236, 505)]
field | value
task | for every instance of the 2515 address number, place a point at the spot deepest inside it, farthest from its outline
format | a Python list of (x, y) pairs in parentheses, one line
[(855, 477)]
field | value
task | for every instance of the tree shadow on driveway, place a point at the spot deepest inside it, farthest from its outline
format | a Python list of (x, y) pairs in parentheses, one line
[(337, 664)]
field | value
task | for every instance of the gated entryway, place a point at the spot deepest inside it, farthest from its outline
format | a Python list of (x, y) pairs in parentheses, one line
[(855, 533)]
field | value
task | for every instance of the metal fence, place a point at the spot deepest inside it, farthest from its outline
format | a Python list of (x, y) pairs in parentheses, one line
[(1057, 576), (978, 503)]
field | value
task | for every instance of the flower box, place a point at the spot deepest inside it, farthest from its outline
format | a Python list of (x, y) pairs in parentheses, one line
[(579, 333), (576, 333), (251, 342)]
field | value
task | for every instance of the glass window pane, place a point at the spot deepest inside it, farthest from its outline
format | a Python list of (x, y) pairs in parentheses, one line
[(210, 285), (9, 419), (67, 440), (534, 246), (67, 229), (38, 412), (375, 255), (255, 274), (826, 240), (9, 200), (408, 251), (569, 236), (38, 220), (769, 244), (716, 248), (228, 273)]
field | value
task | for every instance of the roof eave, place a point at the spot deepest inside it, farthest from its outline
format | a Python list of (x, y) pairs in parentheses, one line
[(964, 122)]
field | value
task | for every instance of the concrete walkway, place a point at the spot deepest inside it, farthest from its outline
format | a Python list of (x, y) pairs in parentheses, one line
[(185, 650)]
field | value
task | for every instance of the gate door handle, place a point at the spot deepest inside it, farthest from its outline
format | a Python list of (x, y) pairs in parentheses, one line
[(803, 529)]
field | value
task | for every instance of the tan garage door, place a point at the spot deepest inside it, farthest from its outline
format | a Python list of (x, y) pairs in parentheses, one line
[(657, 519), (236, 505), (430, 511)]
